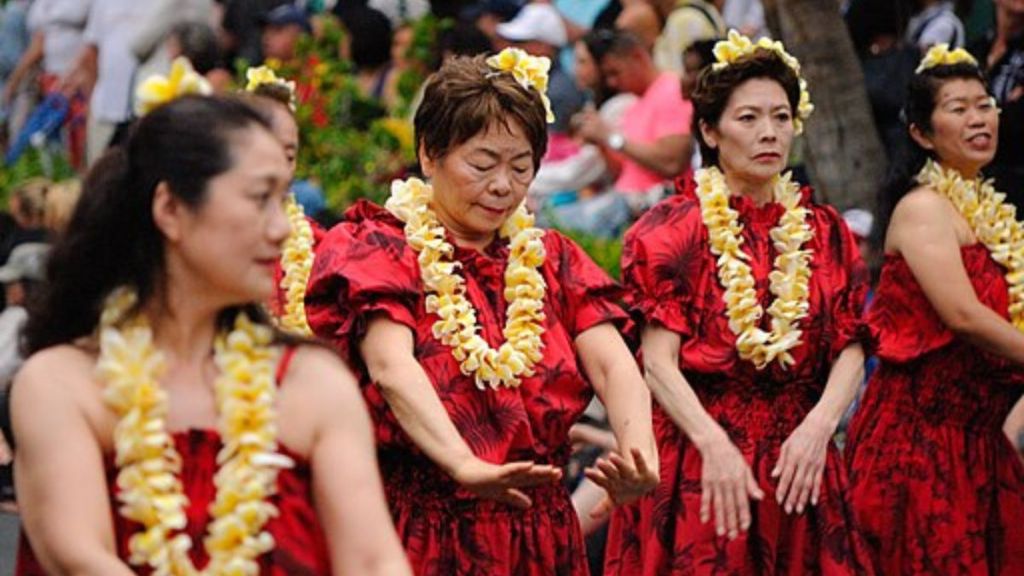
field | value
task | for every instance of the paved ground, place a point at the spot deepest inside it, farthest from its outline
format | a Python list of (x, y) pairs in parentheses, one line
[(8, 543)]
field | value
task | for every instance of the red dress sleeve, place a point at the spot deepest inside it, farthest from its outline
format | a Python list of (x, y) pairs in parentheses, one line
[(589, 294), (363, 267), (662, 264), (850, 281)]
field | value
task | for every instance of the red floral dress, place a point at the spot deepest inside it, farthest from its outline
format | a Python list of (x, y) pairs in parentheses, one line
[(671, 279), (936, 486), (300, 548), (365, 267)]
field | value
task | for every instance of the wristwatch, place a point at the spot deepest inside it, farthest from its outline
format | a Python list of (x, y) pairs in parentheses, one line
[(616, 141)]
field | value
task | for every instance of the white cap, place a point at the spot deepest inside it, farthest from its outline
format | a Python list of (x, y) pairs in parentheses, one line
[(538, 22), (859, 221)]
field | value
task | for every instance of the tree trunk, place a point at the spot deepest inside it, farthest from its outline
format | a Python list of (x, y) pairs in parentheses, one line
[(844, 154)]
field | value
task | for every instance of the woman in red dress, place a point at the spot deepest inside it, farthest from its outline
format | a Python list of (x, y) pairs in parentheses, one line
[(162, 426), (749, 296), (472, 438), (936, 486)]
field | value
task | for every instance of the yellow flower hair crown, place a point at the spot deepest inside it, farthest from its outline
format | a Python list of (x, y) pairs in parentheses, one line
[(941, 55), (529, 72), (264, 76), (158, 90), (737, 47)]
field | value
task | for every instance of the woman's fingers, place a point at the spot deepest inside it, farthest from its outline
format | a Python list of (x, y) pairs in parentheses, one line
[(816, 492)]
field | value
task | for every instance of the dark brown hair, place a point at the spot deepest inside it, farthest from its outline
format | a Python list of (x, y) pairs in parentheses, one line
[(277, 92), (715, 87), (465, 97), (112, 239)]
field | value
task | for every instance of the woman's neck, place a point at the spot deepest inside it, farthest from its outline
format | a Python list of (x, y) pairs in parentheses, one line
[(464, 238), (183, 327), (758, 191), (967, 172)]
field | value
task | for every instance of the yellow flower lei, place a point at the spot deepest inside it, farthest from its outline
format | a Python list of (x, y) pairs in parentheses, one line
[(456, 325), (529, 72), (789, 281), (941, 55), (150, 490), (296, 262), (993, 221), (157, 90), (737, 46)]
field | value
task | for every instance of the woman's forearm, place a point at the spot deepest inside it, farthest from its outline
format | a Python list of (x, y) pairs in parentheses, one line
[(844, 381), (419, 411), (677, 398), (629, 410)]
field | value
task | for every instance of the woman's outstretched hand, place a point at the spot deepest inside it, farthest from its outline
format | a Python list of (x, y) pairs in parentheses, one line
[(502, 482), (624, 480)]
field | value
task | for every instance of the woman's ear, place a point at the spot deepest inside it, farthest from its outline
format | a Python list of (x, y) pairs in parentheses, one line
[(921, 137), (168, 212), (426, 162), (708, 133)]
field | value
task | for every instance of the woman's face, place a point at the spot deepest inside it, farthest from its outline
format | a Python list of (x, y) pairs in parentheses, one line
[(965, 126), (588, 76), (401, 41), (755, 131), (481, 182), (232, 241), (286, 130)]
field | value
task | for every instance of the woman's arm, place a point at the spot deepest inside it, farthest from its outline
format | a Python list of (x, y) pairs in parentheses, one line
[(387, 351), (347, 488), (921, 231), (616, 379), (727, 483), (61, 485), (801, 464), (613, 373)]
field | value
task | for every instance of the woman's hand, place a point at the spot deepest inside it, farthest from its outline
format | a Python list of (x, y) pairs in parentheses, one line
[(501, 482), (623, 480), (801, 465), (727, 486)]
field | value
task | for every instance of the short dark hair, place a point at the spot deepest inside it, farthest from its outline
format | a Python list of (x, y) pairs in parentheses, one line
[(465, 97), (612, 42), (714, 88)]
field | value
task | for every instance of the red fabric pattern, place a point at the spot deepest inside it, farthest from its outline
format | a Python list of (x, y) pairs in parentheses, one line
[(671, 279), (300, 548), (363, 267), (935, 484)]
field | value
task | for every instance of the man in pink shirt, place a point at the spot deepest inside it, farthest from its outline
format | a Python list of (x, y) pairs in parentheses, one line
[(654, 145)]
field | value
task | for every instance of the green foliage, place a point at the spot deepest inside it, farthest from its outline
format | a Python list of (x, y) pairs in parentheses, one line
[(606, 252), (33, 164)]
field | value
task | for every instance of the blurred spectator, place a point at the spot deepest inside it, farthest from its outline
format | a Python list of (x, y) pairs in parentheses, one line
[(400, 12), (149, 41), (26, 204), (242, 23), (487, 14), (58, 37), (105, 68), (587, 172), (747, 16), (539, 30), (876, 27), (686, 21), (935, 23), (198, 43), (61, 199), (24, 270), (462, 39), (641, 19), (282, 28), (654, 143), (696, 57), (368, 45), (14, 42), (1001, 53)]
